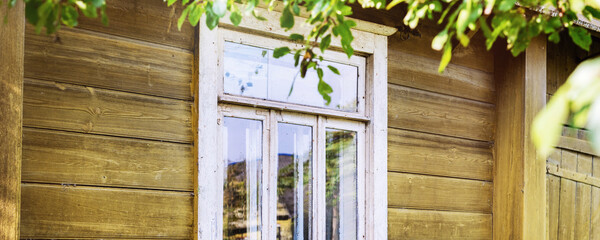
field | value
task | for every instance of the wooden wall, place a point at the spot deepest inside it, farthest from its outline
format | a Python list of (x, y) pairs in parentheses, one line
[(441, 131), (107, 138), (573, 170)]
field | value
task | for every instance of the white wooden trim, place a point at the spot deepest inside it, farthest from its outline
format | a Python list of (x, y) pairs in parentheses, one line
[(320, 181), (363, 41), (207, 192), (376, 167)]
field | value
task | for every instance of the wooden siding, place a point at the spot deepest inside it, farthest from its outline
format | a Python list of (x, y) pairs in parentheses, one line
[(108, 120), (440, 138)]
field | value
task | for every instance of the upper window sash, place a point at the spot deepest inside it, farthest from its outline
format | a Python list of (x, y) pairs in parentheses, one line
[(227, 35)]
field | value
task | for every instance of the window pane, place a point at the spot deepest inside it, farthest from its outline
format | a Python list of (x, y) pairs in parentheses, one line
[(242, 199), (252, 71), (294, 182), (341, 185)]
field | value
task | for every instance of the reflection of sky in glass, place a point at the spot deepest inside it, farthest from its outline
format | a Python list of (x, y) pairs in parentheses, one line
[(253, 72)]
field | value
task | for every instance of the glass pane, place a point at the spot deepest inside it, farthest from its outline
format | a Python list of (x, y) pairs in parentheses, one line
[(246, 70), (252, 71), (241, 196), (294, 182), (341, 185)]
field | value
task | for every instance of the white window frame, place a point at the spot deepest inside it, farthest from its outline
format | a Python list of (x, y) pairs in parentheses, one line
[(370, 42)]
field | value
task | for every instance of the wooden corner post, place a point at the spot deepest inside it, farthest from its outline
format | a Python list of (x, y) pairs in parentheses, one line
[(519, 205), (11, 117)]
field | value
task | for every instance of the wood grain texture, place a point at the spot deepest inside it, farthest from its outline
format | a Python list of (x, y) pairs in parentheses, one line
[(438, 225), (568, 194), (84, 159), (83, 57), (147, 20), (421, 72), (424, 111), (438, 193), (519, 173), (552, 202), (562, 60), (415, 152), (583, 199), (11, 117), (418, 41), (595, 215), (54, 211), (90, 110)]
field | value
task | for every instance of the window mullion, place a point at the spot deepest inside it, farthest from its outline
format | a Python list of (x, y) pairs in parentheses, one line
[(271, 224), (320, 180)]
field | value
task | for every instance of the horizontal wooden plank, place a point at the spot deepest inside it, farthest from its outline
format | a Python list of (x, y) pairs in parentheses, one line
[(86, 159), (575, 144), (424, 111), (418, 41), (416, 152), (86, 109), (83, 57), (54, 211), (438, 193), (422, 72), (573, 175), (438, 225), (147, 20)]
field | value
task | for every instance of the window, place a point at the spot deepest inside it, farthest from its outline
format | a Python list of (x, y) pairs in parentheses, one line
[(278, 162)]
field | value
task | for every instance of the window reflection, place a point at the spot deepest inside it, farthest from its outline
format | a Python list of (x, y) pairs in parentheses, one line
[(341, 185), (253, 72), (294, 182), (242, 199)]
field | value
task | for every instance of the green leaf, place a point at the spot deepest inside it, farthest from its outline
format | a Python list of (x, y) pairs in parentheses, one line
[(439, 40), (506, 5), (581, 37), (182, 17), (170, 2), (325, 43), (280, 52), (446, 56), (593, 11), (104, 16), (554, 37), (212, 20), (324, 89), (287, 19), (236, 18), (219, 7), (333, 69), (547, 125), (296, 37)]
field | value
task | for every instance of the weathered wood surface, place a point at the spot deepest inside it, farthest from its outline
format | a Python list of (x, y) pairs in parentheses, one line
[(438, 225), (415, 152), (583, 199), (552, 204), (423, 111), (561, 61), (11, 110), (595, 203), (90, 110), (438, 193), (84, 159), (418, 41), (519, 175), (147, 20), (54, 211), (421, 72), (568, 194), (90, 59)]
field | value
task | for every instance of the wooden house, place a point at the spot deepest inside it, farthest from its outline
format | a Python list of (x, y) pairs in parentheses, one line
[(137, 130)]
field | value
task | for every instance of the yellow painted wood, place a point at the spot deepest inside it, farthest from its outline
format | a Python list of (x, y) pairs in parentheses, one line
[(86, 109), (11, 112), (438, 225), (583, 199), (438, 193), (55, 211), (86, 159), (418, 110), (566, 221), (147, 20), (415, 152), (422, 73), (83, 57)]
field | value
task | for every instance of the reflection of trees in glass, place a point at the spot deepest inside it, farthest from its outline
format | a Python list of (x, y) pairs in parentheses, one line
[(339, 144), (235, 199), (287, 178)]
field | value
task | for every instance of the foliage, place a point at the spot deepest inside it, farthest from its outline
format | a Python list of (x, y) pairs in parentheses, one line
[(575, 103)]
